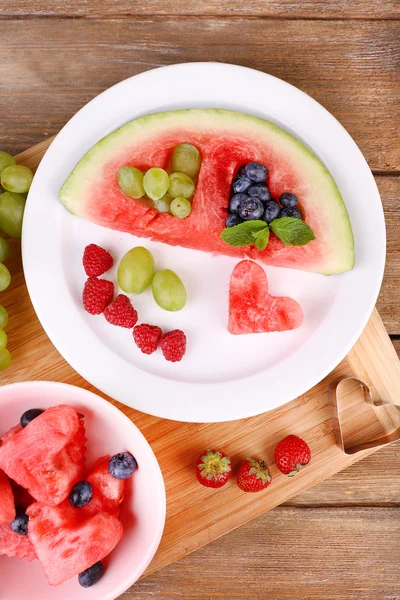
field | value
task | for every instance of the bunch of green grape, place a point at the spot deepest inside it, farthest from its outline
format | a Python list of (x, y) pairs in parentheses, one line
[(170, 193), (15, 181)]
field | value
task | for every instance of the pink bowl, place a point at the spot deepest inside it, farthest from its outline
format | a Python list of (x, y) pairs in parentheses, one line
[(143, 512)]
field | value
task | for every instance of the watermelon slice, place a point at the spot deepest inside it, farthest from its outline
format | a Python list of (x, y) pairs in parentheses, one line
[(7, 506), (47, 456), (226, 140), (64, 545), (13, 544), (252, 309)]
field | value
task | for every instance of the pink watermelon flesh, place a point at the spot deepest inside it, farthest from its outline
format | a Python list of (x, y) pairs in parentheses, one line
[(47, 456), (22, 497), (7, 506), (65, 545), (13, 544), (108, 492), (252, 309), (10, 433), (226, 140)]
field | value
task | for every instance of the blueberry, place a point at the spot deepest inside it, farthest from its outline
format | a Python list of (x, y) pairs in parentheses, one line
[(235, 201), (20, 524), (232, 220), (256, 172), (29, 415), (240, 184), (122, 465), (288, 200), (289, 212), (81, 494), (241, 171), (271, 211), (260, 191), (251, 209), (91, 575)]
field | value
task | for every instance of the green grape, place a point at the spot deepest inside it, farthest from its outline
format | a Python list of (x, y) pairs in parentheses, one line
[(16, 178), (3, 249), (5, 277), (3, 317), (180, 186), (180, 208), (5, 359), (136, 270), (6, 160), (156, 183), (130, 181), (3, 339), (163, 204), (169, 291), (12, 208), (186, 159)]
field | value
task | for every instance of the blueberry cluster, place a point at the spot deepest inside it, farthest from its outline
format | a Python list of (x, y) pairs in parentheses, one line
[(251, 199)]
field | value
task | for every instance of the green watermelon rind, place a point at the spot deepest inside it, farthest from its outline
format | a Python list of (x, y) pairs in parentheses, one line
[(88, 170)]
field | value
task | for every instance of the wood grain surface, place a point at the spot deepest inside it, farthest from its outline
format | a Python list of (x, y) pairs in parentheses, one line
[(348, 66), (321, 9), (339, 539)]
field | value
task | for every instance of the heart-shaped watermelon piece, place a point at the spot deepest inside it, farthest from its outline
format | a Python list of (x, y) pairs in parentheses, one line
[(65, 545), (252, 309), (47, 456)]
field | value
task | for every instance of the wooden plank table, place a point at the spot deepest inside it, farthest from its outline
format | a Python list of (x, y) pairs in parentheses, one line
[(340, 539)]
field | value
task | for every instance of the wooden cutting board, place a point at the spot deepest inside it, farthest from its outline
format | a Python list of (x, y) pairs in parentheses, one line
[(196, 515)]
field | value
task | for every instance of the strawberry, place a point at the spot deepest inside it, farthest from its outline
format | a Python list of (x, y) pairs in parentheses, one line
[(213, 469), (253, 475), (291, 454), (147, 337), (173, 345), (97, 295), (121, 312), (96, 260)]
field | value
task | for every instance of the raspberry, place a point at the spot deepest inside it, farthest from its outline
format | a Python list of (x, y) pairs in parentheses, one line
[(97, 294), (147, 337), (96, 260), (173, 345), (121, 312)]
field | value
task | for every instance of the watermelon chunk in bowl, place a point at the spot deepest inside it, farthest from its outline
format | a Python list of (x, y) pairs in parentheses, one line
[(47, 456), (142, 514)]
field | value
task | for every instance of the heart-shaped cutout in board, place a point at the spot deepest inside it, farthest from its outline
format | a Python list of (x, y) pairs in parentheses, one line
[(376, 404)]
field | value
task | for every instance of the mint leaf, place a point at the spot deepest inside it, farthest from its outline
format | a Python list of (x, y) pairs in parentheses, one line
[(292, 231), (242, 234), (261, 238)]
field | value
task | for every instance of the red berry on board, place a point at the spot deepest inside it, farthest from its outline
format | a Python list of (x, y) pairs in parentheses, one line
[(147, 337), (253, 475), (213, 469), (96, 260), (291, 454), (121, 312), (97, 295), (173, 345)]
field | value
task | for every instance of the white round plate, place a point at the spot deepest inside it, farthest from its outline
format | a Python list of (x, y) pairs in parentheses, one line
[(108, 431), (222, 377)]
